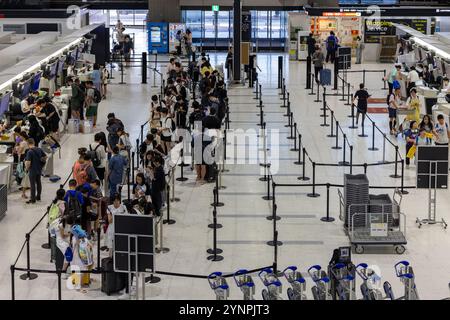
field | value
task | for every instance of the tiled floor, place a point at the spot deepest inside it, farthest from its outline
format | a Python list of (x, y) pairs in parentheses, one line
[(307, 240)]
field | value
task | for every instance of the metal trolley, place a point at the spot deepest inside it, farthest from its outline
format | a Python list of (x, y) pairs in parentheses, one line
[(219, 285), (370, 288), (297, 282), (321, 288), (385, 226), (272, 284), (245, 282), (343, 280), (405, 273)]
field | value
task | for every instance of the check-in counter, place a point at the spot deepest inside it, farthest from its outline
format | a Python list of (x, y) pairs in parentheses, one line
[(6, 170), (430, 98)]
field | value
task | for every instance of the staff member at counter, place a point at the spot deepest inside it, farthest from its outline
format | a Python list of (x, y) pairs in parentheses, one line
[(412, 79)]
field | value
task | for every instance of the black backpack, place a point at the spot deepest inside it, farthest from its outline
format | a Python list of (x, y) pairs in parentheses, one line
[(94, 157), (172, 127), (97, 96), (74, 207), (388, 98)]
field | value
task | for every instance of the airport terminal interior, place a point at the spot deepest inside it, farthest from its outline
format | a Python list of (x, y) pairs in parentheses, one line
[(224, 149)]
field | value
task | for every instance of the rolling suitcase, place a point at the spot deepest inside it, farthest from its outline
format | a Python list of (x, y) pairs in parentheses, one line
[(325, 77), (73, 126), (112, 282)]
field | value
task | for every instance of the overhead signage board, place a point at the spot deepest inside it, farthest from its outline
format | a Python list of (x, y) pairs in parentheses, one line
[(375, 28)]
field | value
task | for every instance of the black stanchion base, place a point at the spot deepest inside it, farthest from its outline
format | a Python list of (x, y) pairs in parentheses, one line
[(326, 116), (152, 279), (263, 179), (215, 258), (290, 138), (311, 94), (181, 179), (270, 218), (225, 170), (298, 163), (222, 187), (267, 198), (331, 135), (175, 200), (342, 99), (217, 251), (317, 100), (353, 127), (327, 219), (217, 204), (363, 135), (324, 125), (169, 221), (313, 195), (162, 250), (218, 226), (347, 104), (373, 149), (404, 192), (183, 165), (294, 149), (336, 148), (396, 176), (349, 116), (287, 126), (45, 246), (343, 163), (303, 178), (25, 276), (272, 243)]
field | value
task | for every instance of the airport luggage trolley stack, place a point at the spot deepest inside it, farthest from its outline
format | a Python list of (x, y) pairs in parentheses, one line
[(272, 283), (321, 288), (405, 274), (245, 282), (371, 286), (372, 220), (219, 285), (342, 275), (297, 282)]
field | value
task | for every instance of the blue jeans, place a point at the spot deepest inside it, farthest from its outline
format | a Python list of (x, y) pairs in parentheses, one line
[(112, 189)]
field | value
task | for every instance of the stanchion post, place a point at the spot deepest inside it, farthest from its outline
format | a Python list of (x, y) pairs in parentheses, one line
[(216, 202), (351, 159), (13, 283), (313, 194), (402, 190), (182, 177), (269, 180), (365, 168), (58, 272), (299, 161), (364, 76), (336, 146), (331, 135), (348, 95), (327, 218), (344, 162), (308, 72), (295, 138), (373, 148), (28, 275), (318, 93), (168, 220), (384, 79), (216, 225), (144, 67), (274, 219), (215, 252), (304, 177), (313, 78), (395, 175), (292, 136), (280, 70)]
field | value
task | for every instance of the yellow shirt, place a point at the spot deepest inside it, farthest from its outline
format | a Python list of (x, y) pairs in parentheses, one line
[(414, 104)]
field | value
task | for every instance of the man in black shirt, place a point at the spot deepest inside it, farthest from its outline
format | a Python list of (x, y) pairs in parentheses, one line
[(34, 162), (311, 44), (362, 95), (211, 121)]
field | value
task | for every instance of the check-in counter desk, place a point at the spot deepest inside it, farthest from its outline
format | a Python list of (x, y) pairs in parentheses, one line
[(6, 170), (429, 97)]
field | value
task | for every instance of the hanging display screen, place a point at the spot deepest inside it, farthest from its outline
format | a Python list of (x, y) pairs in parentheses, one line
[(374, 28)]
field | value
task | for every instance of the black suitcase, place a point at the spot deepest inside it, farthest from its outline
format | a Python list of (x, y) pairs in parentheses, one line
[(112, 282)]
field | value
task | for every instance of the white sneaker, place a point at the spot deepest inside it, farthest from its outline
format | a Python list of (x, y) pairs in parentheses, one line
[(124, 296)]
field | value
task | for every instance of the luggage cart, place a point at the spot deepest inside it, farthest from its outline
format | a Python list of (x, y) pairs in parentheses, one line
[(219, 285), (378, 229), (344, 281), (321, 289), (272, 284), (297, 282), (245, 282), (405, 273), (370, 288)]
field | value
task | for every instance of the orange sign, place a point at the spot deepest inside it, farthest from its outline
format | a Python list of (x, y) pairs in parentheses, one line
[(341, 14)]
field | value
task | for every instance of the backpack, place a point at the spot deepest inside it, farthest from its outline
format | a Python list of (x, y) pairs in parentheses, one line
[(74, 207), (331, 43), (85, 252), (94, 157), (53, 213), (388, 98), (53, 227), (172, 127), (97, 96), (142, 149)]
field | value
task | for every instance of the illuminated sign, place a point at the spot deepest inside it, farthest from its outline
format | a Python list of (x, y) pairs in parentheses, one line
[(341, 14)]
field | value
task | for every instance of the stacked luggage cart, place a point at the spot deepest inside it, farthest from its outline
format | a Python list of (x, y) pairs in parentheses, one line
[(371, 220)]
